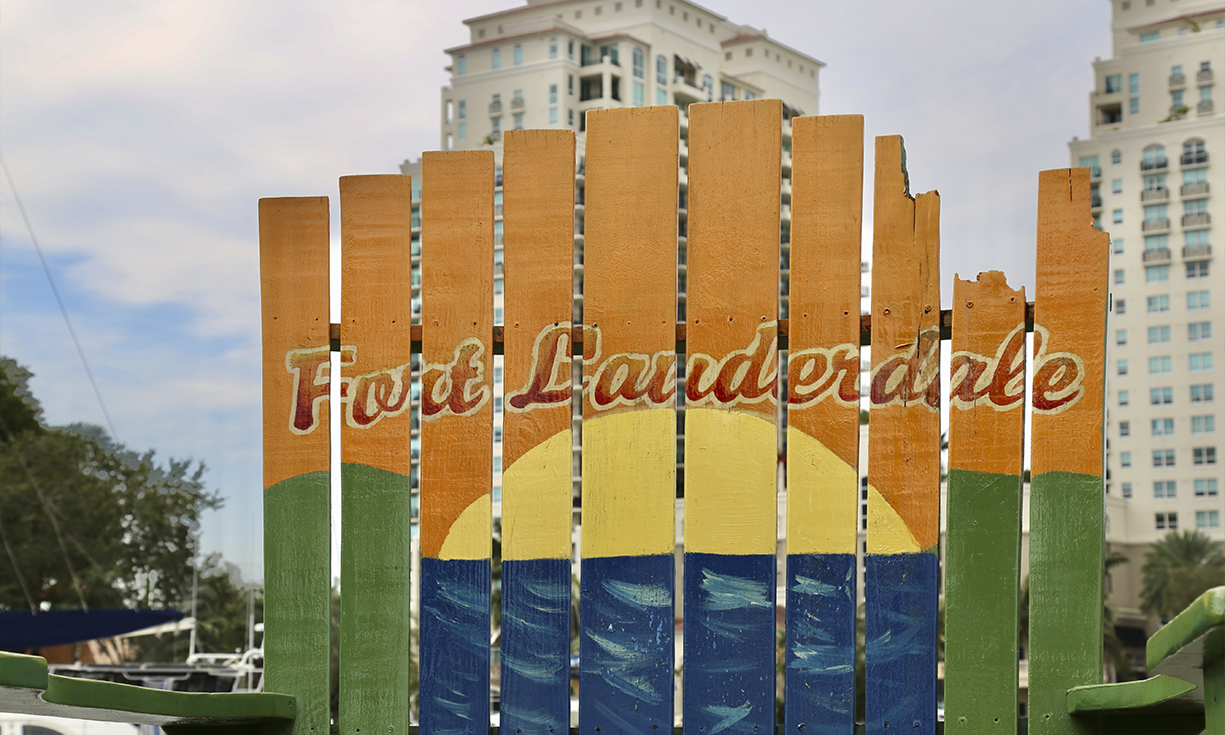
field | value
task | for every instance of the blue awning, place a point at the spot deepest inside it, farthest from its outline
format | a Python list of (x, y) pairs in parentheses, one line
[(21, 630)]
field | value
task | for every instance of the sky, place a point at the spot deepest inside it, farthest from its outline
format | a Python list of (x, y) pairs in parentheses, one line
[(140, 136)]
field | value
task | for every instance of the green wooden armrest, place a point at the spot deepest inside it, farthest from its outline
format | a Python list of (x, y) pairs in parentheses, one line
[(27, 688), (1178, 649)]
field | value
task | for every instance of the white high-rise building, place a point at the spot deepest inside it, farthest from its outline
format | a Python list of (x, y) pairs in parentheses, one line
[(546, 63), (1157, 152)]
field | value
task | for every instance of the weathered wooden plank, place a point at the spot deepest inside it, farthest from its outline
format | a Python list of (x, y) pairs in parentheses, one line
[(375, 462), (629, 421), (823, 423), (456, 439), (538, 189), (982, 573), (293, 238), (731, 401), (1066, 492), (904, 453)]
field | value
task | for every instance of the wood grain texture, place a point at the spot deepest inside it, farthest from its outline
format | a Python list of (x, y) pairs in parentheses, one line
[(629, 421), (297, 494), (731, 445), (986, 443), (456, 439), (1066, 494), (901, 576), (375, 485), (538, 222), (823, 423)]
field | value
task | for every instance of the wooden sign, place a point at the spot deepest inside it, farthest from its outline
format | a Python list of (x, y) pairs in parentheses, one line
[(456, 439), (629, 421), (538, 190), (901, 584), (823, 422), (293, 243), (986, 442), (1066, 492), (731, 403)]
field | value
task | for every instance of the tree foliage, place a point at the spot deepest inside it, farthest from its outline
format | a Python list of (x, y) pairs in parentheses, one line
[(222, 612), (85, 521), (1178, 569)]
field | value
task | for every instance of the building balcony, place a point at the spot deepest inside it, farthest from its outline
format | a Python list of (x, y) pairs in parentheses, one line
[(495, 108), (1194, 159), (1095, 201), (786, 129), (683, 148), (1204, 108), (684, 119), (1178, 80), (684, 90), (1160, 255), (1197, 252), (497, 210), (1158, 164), (1196, 220), (1203, 76), (1156, 194), (1198, 189), (516, 103), (1155, 225), (786, 189), (786, 160)]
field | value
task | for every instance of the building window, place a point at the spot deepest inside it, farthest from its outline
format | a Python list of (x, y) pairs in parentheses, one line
[(1163, 427), (552, 94), (1196, 238), (640, 63), (1156, 273), (1151, 36), (1155, 213), (1160, 396), (1127, 489), (1124, 428), (518, 121), (1114, 83), (1124, 398), (570, 84), (661, 69), (1201, 393), (1160, 365), (1203, 424), (1118, 246), (1198, 268), (1119, 275), (552, 48), (1200, 362), (1116, 186), (461, 65), (570, 117), (1159, 334), (1153, 158), (1120, 337), (1122, 367), (462, 109), (1206, 487), (497, 124), (462, 131), (1157, 304), (1205, 519), (661, 97), (1133, 83), (1125, 459), (1203, 455), (1133, 106), (1163, 457), (708, 84), (570, 49), (1198, 300), (1199, 330), (639, 94), (497, 59), (1167, 521), (1120, 306), (518, 55), (552, 115), (1116, 156), (1165, 489), (1116, 217), (727, 91), (1192, 176), (1176, 99)]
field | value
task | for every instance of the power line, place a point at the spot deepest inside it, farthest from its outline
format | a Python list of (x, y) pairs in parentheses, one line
[(55, 290)]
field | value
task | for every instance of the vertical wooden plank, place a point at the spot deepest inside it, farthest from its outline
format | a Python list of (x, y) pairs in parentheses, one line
[(293, 242), (731, 444), (375, 491), (901, 582), (1066, 492), (986, 439), (629, 422), (456, 439), (823, 423), (538, 188)]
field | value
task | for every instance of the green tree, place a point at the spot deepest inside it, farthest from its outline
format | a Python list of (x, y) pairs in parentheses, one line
[(85, 521), (1178, 569), (221, 611)]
